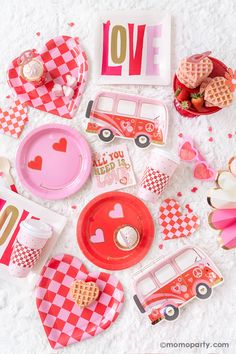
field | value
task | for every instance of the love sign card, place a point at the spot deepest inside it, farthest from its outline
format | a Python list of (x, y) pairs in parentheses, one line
[(133, 47), (112, 169)]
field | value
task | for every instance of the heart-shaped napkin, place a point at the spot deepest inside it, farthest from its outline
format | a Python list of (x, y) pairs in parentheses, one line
[(173, 223), (64, 321), (12, 122), (61, 56)]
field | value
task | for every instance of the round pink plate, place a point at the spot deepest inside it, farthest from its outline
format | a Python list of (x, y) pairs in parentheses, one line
[(53, 161)]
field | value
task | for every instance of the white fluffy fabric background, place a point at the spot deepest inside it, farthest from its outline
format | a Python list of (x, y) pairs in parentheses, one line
[(197, 26)]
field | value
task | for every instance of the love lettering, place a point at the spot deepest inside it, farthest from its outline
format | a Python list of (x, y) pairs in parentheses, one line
[(120, 46)]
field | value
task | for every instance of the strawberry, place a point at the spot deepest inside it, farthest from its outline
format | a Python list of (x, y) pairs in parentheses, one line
[(186, 104), (197, 101), (182, 94)]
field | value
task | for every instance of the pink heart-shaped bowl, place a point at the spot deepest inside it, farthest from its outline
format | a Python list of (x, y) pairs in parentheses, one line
[(61, 56), (63, 320)]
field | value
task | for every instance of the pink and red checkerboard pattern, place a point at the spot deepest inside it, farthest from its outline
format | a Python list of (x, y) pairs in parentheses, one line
[(63, 320), (24, 256), (154, 180), (12, 122), (61, 56), (173, 223)]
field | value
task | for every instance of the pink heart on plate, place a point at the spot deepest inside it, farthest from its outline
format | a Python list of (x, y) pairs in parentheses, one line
[(61, 56), (63, 320), (98, 237), (117, 212)]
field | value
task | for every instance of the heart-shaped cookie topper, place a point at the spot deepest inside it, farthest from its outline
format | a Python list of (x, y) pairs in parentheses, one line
[(173, 223), (84, 293), (61, 56)]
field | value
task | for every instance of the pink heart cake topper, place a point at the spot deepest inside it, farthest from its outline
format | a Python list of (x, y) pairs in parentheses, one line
[(173, 223), (63, 320), (61, 56)]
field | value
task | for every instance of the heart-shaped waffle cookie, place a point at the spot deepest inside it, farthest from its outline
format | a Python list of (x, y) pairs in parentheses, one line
[(218, 93), (191, 74), (84, 293)]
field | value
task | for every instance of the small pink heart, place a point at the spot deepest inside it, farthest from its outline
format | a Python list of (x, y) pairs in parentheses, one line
[(117, 212), (176, 289), (98, 237)]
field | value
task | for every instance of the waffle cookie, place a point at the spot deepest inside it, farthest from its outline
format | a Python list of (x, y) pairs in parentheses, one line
[(192, 74), (204, 84), (84, 293), (218, 93)]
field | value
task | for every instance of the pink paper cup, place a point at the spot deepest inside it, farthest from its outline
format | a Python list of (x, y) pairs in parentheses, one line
[(157, 175), (28, 246)]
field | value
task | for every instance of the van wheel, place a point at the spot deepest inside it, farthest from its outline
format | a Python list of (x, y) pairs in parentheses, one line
[(106, 135), (203, 291), (89, 108), (142, 141), (171, 312)]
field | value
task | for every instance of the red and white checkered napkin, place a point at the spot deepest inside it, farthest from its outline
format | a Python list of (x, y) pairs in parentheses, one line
[(63, 320), (173, 223), (154, 181), (12, 122), (61, 56)]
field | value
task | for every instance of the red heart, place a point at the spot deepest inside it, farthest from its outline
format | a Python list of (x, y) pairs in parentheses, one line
[(202, 171), (36, 164), (61, 56), (173, 223), (187, 152), (61, 145), (12, 122), (64, 321)]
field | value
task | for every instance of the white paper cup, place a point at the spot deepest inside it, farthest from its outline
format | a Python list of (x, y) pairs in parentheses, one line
[(31, 239), (157, 174)]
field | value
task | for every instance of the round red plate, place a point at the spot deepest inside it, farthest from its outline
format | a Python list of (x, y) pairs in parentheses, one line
[(102, 217)]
